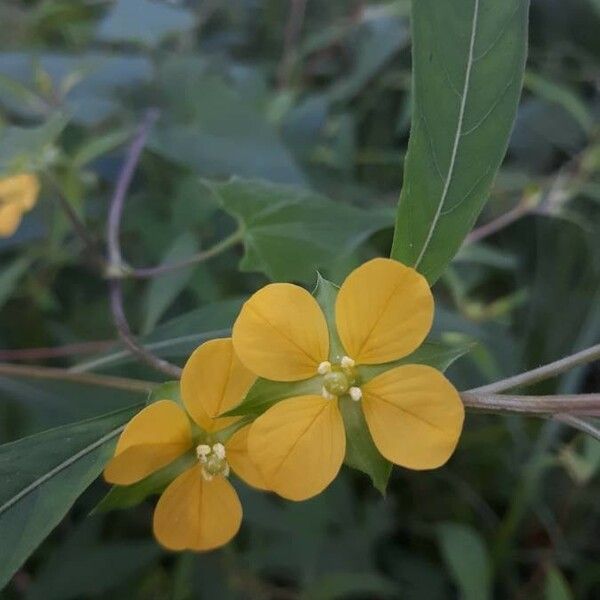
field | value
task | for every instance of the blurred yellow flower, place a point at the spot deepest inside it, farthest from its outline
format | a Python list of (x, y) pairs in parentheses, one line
[(200, 509), (383, 312), (18, 194)]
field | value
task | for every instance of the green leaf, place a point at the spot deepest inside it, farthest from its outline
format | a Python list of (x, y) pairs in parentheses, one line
[(43, 475), (162, 291), (178, 337), (556, 586), (28, 148), (345, 585), (468, 63), (143, 21), (126, 496), (361, 452), (10, 276), (289, 232), (467, 558)]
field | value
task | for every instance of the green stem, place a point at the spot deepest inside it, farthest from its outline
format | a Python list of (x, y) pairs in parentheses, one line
[(115, 383)]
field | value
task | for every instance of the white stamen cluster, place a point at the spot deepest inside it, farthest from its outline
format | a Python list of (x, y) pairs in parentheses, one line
[(338, 379), (213, 460), (324, 368)]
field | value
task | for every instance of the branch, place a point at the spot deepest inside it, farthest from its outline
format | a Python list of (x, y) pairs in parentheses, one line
[(580, 424), (544, 372), (581, 404), (143, 273), (77, 348), (115, 214), (116, 303), (115, 383), (116, 268)]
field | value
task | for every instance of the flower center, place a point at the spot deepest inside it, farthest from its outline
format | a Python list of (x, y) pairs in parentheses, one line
[(339, 379), (213, 460)]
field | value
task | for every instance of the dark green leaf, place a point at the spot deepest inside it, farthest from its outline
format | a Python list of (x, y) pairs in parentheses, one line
[(43, 475), (162, 291), (143, 21), (291, 233), (468, 62), (467, 558)]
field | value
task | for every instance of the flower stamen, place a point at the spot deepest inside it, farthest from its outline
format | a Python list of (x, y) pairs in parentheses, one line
[(213, 460), (324, 368)]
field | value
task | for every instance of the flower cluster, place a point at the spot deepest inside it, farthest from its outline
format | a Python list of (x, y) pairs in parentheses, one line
[(383, 312), (18, 195)]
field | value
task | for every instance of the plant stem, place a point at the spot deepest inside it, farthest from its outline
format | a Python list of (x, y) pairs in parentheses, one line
[(116, 302), (226, 243), (115, 383), (118, 200), (57, 351), (79, 227), (579, 423), (533, 405), (544, 372)]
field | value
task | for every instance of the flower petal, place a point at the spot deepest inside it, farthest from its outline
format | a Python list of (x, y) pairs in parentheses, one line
[(213, 381), (239, 460), (10, 219), (195, 514), (383, 311), (281, 333), (22, 190), (414, 415), (299, 445), (151, 440)]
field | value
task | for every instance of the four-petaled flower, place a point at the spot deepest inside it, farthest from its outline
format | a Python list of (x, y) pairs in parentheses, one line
[(200, 509), (18, 194), (383, 312)]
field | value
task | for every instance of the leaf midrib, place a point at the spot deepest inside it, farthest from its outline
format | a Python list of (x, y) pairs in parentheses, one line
[(457, 136), (59, 468)]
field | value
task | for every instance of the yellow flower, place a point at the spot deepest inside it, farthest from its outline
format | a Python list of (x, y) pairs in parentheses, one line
[(383, 312), (18, 194), (200, 509)]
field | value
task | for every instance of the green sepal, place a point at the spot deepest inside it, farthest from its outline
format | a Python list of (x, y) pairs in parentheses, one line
[(361, 452), (439, 355), (127, 496), (169, 390), (265, 393), (325, 294)]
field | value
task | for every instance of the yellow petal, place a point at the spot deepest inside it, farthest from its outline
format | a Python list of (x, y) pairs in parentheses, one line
[(299, 445), (10, 219), (22, 189), (195, 514), (239, 460), (151, 440), (414, 415), (214, 381), (281, 333), (383, 311)]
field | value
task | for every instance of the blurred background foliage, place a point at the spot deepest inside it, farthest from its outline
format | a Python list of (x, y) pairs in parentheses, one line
[(314, 94)]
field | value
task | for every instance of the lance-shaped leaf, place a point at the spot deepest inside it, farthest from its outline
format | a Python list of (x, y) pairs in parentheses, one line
[(468, 63), (42, 476)]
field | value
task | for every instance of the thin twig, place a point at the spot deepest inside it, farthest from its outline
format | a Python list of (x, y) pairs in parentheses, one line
[(588, 404), (544, 372), (580, 424), (293, 27), (116, 383), (146, 272), (116, 268), (79, 227), (77, 348), (525, 207), (116, 303), (118, 200)]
